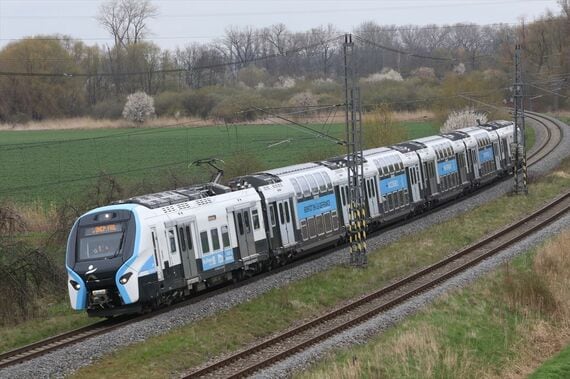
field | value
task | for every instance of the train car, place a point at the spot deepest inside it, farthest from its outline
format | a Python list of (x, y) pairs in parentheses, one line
[(149, 250)]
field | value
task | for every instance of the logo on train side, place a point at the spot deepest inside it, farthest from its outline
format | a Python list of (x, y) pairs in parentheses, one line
[(316, 206)]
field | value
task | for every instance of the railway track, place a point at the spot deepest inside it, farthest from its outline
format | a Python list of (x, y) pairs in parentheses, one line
[(285, 344), (25, 353)]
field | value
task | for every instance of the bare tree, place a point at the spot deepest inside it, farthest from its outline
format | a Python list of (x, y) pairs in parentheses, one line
[(126, 20)]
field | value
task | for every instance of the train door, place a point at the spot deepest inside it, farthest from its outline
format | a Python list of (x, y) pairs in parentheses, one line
[(158, 260), (187, 252), (414, 181), (274, 226), (497, 156), (372, 195), (285, 221), (343, 201), (475, 163), (244, 231)]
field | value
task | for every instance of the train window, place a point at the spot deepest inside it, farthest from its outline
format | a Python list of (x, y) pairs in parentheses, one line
[(215, 239), (334, 220), (320, 225), (281, 215), (320, 181), (312, 227), (297, 187), (327, 180), (255, 218), (342, 196), (240, 224), (304, 230), (172, 241), (189, 238), (204, 240), (328, 222), (246, 221), (272, 215), (154, 248), (225, 236), (181, 239), (287, 214), (312, 183), (391, 167), (304, 185)]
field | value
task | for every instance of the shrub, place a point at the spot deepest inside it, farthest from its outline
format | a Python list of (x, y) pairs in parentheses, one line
[(253, 76), (463, 119), (139, 107), (108, 109), (385, 74), (169, 103), (379, 128)]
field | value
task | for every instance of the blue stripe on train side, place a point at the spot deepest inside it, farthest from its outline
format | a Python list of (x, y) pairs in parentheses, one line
[(315, 207), (447, 167), (486, 154), (217, 259), (393, 184)]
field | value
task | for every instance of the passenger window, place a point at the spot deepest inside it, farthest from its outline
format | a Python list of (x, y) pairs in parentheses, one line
[(327, 180), (342, 196), (240, 224), (189, 238), (246, 220), (225, 236), (255, 217), (304, 186), (215, 239), (204, 240), (298, 192), (172, 241), (272, 214), (181, 239), (281, 213), (321, 182), (287, 215), (312, 183)]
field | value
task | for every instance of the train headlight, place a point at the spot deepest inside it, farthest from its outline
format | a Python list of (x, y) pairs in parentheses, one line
[(75, 285), (125, 278)]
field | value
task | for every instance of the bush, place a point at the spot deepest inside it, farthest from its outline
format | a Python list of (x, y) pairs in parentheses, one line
[(139, 107), (252, 76), (170, 103), (198, 104), (108, 109), (379, 129), (463, 119)]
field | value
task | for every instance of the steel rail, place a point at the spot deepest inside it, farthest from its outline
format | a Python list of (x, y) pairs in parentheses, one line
[(251, 359)]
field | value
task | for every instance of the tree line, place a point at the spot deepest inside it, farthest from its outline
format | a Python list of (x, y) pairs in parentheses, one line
[(78, 79)]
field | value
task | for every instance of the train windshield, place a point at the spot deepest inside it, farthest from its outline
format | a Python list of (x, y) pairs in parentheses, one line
[(100, 242)]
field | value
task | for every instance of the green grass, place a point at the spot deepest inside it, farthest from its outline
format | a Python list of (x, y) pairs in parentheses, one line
[(557, 367), (471, 333), (34, 162), (192, 344), (59, 318)]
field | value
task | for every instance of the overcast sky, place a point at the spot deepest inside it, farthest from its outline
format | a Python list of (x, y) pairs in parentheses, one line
[(184, 21)]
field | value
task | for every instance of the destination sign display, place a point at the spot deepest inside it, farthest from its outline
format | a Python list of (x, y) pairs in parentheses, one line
[(103, 229)]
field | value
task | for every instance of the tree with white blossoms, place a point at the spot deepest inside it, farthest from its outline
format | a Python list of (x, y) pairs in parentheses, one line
[(463, 119), (139, 107)]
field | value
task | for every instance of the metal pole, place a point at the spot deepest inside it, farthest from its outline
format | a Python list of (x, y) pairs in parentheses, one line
[(520, 169), (354, 159)]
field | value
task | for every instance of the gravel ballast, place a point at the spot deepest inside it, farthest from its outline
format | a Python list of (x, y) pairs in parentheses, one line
[(67, 360)]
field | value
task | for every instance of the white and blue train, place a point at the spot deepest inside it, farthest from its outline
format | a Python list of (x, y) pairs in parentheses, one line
[(149, 250)]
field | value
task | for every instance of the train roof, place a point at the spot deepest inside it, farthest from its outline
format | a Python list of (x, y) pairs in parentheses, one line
[(180, 195), (408, 146)]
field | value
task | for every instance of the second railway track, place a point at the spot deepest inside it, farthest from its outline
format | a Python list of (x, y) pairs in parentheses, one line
[(285, 344)]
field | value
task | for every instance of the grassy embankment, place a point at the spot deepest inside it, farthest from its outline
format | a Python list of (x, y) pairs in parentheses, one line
[(190, 345), (56, 316), (504, 326)]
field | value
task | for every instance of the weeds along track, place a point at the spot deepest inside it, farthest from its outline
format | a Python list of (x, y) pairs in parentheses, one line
[(553, 138), (285, 344)]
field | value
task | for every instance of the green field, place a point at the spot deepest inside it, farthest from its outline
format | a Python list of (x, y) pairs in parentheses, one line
[(59, 164)]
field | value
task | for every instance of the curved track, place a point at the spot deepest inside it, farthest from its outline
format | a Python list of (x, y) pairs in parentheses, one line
[(25, 353)]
